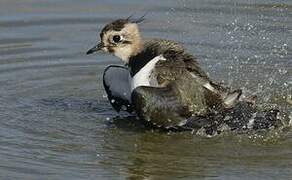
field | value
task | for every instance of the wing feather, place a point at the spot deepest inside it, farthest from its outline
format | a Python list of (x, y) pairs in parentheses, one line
[(171, 105), (117, 86)]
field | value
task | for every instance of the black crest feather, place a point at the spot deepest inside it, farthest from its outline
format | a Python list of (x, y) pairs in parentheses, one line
[(137, 21)]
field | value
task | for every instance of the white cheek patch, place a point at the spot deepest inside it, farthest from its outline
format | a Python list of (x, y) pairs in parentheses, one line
[(143, 77), (123, 53)]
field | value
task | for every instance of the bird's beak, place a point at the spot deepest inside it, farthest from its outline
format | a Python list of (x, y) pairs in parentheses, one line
[(96, 48)]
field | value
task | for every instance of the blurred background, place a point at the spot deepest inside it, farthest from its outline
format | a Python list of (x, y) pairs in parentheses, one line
[(55, 117)]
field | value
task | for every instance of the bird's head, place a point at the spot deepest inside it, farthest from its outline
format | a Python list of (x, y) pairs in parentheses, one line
[(121, 38)]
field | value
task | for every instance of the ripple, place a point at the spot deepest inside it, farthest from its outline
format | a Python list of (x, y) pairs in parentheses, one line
[(52, 22), (19, 41), (53, 109)]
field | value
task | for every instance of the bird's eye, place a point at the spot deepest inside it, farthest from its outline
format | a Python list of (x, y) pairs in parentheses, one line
[(116, 38)]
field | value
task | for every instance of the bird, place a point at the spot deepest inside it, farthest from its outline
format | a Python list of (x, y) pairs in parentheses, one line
[(160, 81)]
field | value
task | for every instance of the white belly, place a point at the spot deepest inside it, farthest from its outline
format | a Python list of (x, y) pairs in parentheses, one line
[(143, 77)]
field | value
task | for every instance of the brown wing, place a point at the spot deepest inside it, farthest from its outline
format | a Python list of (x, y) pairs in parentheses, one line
[(160, 46), (184, 64), (165, 106), (174, 51)]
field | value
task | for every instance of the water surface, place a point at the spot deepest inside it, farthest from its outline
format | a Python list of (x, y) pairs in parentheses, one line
[(54, 116)]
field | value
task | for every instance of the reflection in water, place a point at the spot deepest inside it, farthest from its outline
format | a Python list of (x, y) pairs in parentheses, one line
[(152, 155), (155, 155)]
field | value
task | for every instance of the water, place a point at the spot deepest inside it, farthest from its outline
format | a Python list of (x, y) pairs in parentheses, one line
[(54, 114)]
